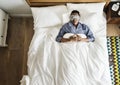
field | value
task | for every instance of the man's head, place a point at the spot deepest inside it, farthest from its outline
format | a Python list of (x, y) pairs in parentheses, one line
[(75, 17)]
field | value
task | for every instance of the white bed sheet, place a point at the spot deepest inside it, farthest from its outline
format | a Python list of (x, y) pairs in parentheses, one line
[(72, 63)]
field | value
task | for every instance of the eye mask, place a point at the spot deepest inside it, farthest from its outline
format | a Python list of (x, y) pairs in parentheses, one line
[(72, 17)]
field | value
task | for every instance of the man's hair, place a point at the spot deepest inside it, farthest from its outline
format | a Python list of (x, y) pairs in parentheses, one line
[(75, 11)]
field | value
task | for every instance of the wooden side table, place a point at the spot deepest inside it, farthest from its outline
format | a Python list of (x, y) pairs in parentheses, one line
[(112, 16)]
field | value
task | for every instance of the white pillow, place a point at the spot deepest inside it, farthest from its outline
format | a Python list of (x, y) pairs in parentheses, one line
[(91, 20), (91, 15), (48, 16), (85, 8)]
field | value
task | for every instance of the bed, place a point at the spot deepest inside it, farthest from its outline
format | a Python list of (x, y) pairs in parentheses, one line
[(71, 63)]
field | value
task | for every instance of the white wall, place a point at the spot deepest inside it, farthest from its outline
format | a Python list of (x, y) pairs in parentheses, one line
[(15, 7)]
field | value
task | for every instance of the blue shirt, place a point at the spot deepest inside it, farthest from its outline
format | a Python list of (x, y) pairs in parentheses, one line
[(80, 29)]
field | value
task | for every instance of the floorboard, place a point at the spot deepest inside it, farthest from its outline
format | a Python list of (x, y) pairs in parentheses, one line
[(13, 59)]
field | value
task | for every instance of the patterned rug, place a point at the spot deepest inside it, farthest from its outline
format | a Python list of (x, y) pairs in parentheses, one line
[(113, 44)]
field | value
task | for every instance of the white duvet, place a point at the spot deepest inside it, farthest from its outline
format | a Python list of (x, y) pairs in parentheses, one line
[(72, 63)]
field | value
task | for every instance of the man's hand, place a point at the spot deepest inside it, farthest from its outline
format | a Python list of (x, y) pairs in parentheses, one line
[(78, 38), (84, 40), (75, 38)]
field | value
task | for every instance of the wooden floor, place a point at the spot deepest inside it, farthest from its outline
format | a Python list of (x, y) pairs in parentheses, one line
[(113, 30), (14, 57)]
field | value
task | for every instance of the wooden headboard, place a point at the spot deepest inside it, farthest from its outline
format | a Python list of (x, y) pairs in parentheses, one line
[(41, 3)]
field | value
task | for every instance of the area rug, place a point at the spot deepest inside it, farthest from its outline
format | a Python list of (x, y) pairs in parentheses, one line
[(113, 44)]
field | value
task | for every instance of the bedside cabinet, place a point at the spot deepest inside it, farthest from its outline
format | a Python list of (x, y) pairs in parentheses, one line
[(113, 13), (3, 28)]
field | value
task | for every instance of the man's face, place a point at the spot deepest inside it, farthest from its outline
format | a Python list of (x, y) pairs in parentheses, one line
[(74, 18)]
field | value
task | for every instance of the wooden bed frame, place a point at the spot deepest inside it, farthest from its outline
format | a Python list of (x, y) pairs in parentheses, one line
[(41, 3)]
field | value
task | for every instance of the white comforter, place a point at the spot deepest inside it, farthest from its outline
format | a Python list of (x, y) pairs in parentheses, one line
[(72, 63)]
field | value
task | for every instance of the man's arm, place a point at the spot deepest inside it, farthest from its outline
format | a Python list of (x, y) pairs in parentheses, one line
[(71, 39), (89, 35), (84, 40), (74, 38), (65, 40), (60, 34)]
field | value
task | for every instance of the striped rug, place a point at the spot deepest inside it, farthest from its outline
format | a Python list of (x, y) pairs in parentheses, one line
[(113, 44)]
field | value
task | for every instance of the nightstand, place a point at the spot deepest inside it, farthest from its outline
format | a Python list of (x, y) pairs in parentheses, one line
[(112, 15)]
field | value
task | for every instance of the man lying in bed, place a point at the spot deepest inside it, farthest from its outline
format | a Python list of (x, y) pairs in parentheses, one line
[(75, 27)]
